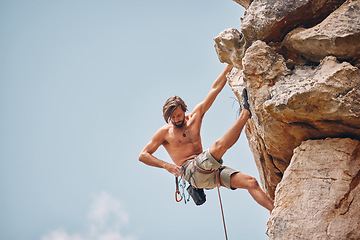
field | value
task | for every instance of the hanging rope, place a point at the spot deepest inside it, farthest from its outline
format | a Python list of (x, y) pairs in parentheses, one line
[(182, 196), (222, 211)]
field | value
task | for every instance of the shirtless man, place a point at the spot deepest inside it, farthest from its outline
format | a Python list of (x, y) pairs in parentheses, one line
[(181, 139)]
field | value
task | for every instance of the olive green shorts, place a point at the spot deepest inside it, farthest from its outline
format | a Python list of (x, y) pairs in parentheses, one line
[(201, 171)]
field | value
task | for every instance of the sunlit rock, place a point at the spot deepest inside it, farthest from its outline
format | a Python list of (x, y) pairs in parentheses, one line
[(338, 35), (244, 3), (302, 90), (230, 47), (271, 20), (319, 195), (308, 103)]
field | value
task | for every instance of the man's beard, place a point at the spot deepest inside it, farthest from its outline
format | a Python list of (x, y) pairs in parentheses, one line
[(179, 125)]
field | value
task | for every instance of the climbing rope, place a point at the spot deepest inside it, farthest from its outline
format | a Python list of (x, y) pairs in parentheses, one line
[(182, 195), (221, 207)]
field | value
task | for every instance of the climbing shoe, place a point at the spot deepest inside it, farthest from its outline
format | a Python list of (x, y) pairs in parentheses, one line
[(245, 103)]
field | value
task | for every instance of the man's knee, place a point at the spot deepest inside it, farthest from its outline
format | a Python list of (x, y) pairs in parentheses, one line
[(217, 148), (240, 180), (252, 183)]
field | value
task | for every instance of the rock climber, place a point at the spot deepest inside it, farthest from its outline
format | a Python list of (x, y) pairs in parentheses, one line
[(180, 136)]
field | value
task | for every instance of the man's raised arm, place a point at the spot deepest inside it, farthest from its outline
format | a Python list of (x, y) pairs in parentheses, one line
[(216, 88), (146, 155)]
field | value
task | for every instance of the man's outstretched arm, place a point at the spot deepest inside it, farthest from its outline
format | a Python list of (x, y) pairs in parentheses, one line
[(216, 88), (146, 155)]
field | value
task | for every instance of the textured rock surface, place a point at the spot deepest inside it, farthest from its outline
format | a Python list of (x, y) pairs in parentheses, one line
[(289, 108), (300, 94), (332, 89), (270, 20), (230, 46), (244, 3), (337, 35), (290, 105), (319, 195)]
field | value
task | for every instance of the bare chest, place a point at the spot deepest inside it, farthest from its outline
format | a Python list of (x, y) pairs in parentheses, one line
[(183, 143), (185, 135)]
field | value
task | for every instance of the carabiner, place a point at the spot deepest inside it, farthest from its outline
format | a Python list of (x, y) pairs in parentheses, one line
[(177, 192)]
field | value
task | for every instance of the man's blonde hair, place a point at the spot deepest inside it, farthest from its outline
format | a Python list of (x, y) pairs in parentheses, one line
[(171, 104)]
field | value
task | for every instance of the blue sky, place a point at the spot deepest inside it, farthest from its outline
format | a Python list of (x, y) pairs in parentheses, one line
[(82, 84)]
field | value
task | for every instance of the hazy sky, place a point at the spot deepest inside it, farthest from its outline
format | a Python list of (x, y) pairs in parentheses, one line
[(82, 85)]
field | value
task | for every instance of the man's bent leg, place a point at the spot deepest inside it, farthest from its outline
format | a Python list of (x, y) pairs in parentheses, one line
[(241, 180), (218, 149)]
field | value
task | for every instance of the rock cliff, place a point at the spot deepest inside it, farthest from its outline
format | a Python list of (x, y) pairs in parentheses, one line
[(299, 61)]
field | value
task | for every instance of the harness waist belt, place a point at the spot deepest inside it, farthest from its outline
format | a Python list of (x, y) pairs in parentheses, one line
[(201, 170)]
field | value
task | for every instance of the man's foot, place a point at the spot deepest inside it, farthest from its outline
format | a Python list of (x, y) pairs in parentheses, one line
[(245, 103)]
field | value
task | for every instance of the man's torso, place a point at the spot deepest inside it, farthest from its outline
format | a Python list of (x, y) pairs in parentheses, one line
[(184, 143)]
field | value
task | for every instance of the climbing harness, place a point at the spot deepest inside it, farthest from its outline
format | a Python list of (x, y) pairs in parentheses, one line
[(203, 171)]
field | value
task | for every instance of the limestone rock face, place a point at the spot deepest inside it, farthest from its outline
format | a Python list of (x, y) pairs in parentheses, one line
[(319, 195), (338, 35), (263, 66), (244, 3), (289, 108), (271, 20), (332, 89), (230, 46), (304, 94)]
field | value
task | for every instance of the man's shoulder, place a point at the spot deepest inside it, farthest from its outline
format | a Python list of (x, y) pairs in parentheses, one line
[(161, 134), (166, 126), (194, 115), (164, 129)]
